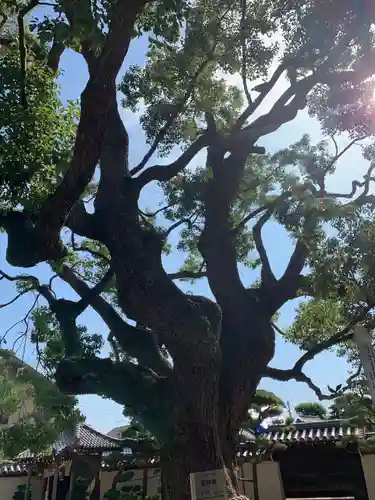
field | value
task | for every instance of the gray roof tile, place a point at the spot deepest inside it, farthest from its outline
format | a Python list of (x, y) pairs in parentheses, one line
[(88, 438), (323, 430), (81, 439)]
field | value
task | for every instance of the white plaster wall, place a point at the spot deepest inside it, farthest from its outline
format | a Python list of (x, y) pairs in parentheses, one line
[(368, 465), (269, 481), (8, 486), (153, 481)]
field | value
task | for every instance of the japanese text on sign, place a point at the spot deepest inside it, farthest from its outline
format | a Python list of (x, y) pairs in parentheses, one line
[(208, 485)]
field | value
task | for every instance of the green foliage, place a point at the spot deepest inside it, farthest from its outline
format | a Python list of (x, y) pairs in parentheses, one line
[(36, 143), (123, 491), (342, 282), (181, 79), (265, 405), (311, 410), (316, 320), (355, 406), (80, 489), (19, 494), (145, 440), (43, 413), (46, 335)]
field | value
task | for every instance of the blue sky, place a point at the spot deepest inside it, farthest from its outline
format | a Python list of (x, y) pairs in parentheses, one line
[(325, 369)]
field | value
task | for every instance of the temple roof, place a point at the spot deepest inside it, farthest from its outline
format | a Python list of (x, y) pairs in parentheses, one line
[(82, 440), (308, 431), (13, 470), (85, 438)]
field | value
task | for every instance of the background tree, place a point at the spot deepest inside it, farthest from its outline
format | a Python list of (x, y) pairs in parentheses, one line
[(311, 410), (264, 406), (19, 494), (39, 426), (186, 366), (355, 405)]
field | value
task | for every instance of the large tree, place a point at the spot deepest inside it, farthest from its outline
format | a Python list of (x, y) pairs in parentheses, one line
[(187, 366)]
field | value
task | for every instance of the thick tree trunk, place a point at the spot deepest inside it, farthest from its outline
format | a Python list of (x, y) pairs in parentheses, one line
[(196, 445), (195, 456), (209, 427), (181, 461), (198, 442)]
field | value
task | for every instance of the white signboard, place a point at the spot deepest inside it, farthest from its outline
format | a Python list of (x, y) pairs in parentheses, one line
[(367, 355), (208, 485)]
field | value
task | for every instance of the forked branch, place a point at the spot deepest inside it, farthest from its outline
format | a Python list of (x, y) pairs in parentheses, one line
[(267, 274), (263, 92), (165, 172), (365, 184), (135, 342), (178, 108), (286, 375), (296, 372)]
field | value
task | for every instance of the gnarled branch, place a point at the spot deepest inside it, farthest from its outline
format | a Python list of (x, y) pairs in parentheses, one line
[(163, 173), (177, 224), (99, 288), (288, 104), (54, 54), (136, 342), (264, 90), (158, 211), (286, 375), (250, 216), (13, 300), (43, 290), (101, 376), (296, 373), (355, 185)]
